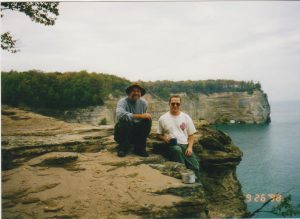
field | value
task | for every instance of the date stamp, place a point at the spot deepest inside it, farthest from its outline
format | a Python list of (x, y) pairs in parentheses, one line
[(263, 197)]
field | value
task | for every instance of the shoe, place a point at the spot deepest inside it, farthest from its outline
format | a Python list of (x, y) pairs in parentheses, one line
[(142, 153), (121, 153)]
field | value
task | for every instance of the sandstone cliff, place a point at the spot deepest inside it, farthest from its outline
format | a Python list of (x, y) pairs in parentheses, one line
[(54, 169), (234, 106), (226, 107)]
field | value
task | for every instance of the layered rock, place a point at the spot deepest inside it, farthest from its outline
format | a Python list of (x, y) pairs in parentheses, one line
[(61, 170), (226, 107), (219, 158), (240, 107)]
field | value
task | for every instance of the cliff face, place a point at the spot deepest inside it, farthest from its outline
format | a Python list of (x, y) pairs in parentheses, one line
[(219, 158), (238, 106), (55, 169), (221, 107), (234, 107)]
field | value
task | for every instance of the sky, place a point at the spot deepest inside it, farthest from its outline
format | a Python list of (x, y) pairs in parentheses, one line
[(237, 40)]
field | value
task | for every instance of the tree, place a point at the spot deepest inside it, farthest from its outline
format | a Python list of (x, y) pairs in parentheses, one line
[(8, 43), (40, 12)]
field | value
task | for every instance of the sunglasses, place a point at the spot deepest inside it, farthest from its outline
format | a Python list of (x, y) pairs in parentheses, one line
[(173, 104)]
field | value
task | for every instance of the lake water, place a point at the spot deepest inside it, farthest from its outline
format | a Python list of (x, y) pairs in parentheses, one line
[(271, 160)]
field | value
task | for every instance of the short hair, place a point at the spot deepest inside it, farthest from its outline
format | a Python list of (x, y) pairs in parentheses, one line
[(174, 96)]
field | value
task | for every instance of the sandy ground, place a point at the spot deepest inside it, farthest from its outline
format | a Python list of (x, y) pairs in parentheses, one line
[(96, 185)]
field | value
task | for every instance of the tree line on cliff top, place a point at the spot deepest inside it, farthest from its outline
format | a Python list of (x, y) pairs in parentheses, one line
[(163, 89), (81, 89)]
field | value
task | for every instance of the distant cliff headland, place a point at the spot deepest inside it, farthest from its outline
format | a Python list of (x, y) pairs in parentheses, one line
[(91, 97)]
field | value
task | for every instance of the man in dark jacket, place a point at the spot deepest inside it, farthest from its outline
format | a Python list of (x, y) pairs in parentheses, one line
[(133, 121)]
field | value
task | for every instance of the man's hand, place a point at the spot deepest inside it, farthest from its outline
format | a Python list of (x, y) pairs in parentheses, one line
[(189, 151), (147, 116), (143, 116), (165, 138)]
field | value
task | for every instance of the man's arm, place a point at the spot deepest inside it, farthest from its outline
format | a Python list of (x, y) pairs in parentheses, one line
[(190, 130), (189, 150), (122, 114), (161, 133), (142, 116)]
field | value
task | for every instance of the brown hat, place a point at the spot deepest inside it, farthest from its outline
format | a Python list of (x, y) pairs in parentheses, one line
[(128, 89)]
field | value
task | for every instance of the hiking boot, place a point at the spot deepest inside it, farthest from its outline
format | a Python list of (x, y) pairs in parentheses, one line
[(121, 153), (142, 153)]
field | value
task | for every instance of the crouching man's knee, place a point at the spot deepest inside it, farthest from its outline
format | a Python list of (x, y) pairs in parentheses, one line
[(122, 128), (147, 122), (177, 154)]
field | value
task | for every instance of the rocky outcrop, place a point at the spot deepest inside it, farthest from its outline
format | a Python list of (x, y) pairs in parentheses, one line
[(54, 169), (219, 159), (240, 107), (226, 107)]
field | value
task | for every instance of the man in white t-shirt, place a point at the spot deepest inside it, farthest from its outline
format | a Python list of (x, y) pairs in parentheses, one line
[(177, 130)]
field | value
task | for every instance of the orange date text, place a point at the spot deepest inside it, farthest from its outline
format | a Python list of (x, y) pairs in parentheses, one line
[(263, 197)]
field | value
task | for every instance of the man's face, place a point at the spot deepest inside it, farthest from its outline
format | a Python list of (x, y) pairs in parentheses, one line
[(174, 105), (135, 94)]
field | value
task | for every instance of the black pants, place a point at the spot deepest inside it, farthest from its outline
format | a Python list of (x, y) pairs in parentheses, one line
[(127, 133)]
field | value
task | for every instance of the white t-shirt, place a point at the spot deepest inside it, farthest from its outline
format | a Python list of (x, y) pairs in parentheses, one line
[(180, 126)]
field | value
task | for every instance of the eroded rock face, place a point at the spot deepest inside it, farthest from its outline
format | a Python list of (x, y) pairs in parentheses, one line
[(61, 170), (226, 107), (219, 158), (236, 106)]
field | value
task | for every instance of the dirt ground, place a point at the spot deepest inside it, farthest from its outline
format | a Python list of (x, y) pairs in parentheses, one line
[(79, 184)]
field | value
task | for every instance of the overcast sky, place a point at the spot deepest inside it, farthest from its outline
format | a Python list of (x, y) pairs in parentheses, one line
[(238, 40)]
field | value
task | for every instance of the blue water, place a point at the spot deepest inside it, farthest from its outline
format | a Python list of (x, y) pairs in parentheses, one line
[(271, 160)]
